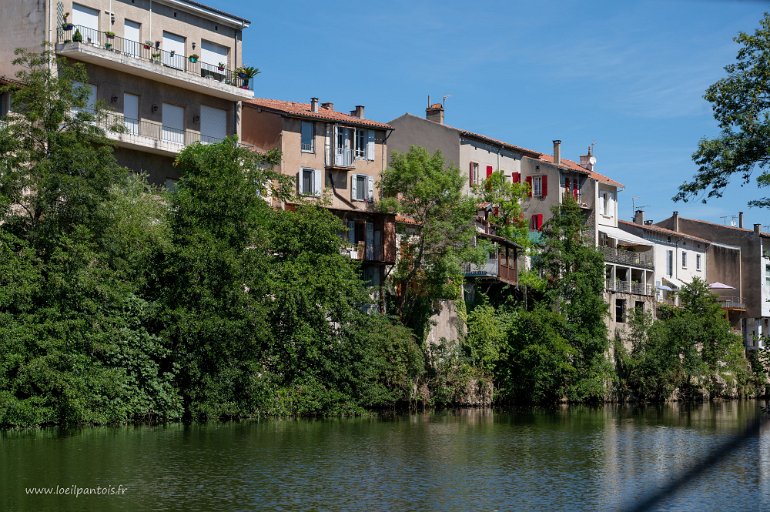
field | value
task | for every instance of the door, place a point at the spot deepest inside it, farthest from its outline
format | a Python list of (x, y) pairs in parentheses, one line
[(132, 35), (213, 124), (344, 153), (131, 113), (212, 55), (86, 20), (173, 50), (173, 123)]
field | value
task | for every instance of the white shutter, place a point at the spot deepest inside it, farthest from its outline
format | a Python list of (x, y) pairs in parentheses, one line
[(212, 54), (370, 192), (86, 20), (328, 145), (370, 145), (317, 182), (213, 124), (175, 43), (299, 182), (353, 187)]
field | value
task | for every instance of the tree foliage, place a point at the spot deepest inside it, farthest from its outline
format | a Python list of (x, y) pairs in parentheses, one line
[(741, 105)]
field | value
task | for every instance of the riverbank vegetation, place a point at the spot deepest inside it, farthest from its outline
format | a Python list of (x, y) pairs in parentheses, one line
[(122, 302)]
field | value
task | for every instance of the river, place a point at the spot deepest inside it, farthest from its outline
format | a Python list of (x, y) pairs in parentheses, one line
[(566, 458)]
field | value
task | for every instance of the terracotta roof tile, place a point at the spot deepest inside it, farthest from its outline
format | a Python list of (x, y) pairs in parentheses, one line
[(663, 231), (302, 110)]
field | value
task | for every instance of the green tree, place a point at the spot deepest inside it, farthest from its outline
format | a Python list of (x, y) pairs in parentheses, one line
[(418, 186), (741, 105), (507, 215), (574, 273)]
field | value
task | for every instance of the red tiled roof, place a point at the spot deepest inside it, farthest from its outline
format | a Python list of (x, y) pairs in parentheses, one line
[(663, 231), (574, 166), (302, 110), (403, 219)]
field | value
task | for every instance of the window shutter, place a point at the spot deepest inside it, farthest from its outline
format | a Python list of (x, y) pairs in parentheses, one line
[(370, 191), (317, 182), (575, 189), (529, 182), (470, 175), (489, 171), (539, 219), (299, 182), (544, 186), (532, 223), (566, 188), (516, 177), (352, 232), (354, 187), (370, 145)]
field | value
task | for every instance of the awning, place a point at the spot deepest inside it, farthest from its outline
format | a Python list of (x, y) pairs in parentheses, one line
[(624, 236), (673, 280), (720, 286), (663, 287)]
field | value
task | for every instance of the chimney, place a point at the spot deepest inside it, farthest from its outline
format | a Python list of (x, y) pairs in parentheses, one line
[(588, 160), (740, 220), (358, 112), (557, 151), (314, 104), (435, 113), (675, 218), (328, 105), (757, 228), (639, 217)]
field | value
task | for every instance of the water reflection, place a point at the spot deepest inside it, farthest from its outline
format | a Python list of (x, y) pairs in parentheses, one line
[(561, 458)]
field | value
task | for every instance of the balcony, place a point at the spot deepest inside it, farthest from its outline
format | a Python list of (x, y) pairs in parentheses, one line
[(147, 61), (342, 158), (150, 136), (491, 269), (365, 252), (731, 303), (619, 286), (624, 257)]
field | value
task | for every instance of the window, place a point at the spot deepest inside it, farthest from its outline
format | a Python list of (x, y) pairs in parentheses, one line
[(360, 143), (620, 310), (669, 263), (537, 186), (361, 187), (536, 222), (309, 182), (698, 262), (767, 275), (639, 307), (473, 174), (603, 203), (308, 134), (684, 259)]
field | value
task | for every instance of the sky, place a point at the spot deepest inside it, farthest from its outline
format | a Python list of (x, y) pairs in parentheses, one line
[(628, 77)]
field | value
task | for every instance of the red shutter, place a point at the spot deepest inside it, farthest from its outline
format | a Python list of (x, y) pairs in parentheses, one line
[(516, 177), (575, 190), (532, 223), (529, 182), (470, 175), (544, 186), (539, 221), (489, 171), (566, 188)]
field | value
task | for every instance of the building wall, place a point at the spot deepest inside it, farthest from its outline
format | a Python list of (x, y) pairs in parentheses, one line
[(485, 155), (414, 131), (22, 25), (158, 168), (609, 217), (262, 129), (541, 205)]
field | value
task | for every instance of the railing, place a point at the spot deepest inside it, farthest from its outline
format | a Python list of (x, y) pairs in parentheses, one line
[(364, 251), (152, 53), (731, 302), (618, 285), (343, 157), (613, 255), (492, 268)]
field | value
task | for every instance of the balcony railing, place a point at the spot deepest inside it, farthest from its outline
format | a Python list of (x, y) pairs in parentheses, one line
[(622, 256), (620, 286), (364, 251), (491, 268), (731, 303), (150, 53), (343, 157)]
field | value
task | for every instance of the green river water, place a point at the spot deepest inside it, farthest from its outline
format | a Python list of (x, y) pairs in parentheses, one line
[(566, 458)]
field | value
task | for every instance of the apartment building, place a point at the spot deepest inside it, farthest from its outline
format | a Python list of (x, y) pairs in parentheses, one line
[(738, 273), (167, 71), (338, 160)]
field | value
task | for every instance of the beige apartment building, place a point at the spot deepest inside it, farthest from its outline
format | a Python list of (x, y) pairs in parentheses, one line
[(337, 160), (165, 70)]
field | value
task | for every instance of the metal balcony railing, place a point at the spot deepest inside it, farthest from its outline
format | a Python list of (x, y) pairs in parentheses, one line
[(731, 302), (622, 256), (617, 285), (343, 157), (149, 52)]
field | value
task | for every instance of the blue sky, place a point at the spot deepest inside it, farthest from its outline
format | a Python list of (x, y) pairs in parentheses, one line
[(627, 76)]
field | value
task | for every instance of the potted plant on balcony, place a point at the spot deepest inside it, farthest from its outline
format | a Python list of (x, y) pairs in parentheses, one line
[(110, 34), (108, 46), (77, 37), (221, 66), (66, 25), (147, 45), (246, 73), (155, 57), (193, 57)]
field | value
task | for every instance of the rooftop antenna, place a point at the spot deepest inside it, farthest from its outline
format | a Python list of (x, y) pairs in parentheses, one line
[(443, 100), (633, 201), (731, 218)]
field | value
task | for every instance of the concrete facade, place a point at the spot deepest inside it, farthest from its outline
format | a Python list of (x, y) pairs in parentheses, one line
[(204, 100), (749, 301)]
